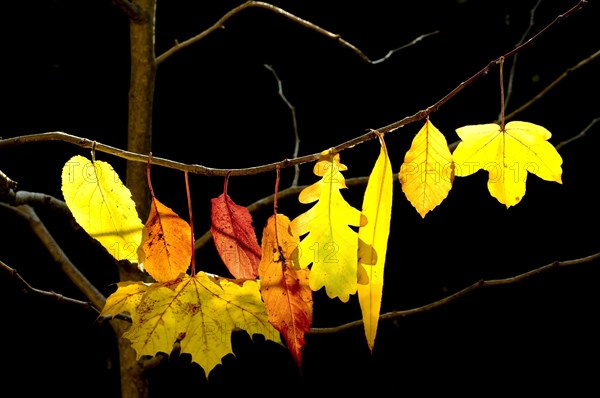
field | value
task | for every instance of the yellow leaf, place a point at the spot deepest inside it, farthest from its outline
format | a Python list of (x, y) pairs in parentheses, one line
[(200, 312), (427, 172), (377, 207), (102, 206), (507, 155), (331, 246)]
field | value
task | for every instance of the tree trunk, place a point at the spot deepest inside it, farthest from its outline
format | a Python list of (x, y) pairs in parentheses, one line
[(139, 139)]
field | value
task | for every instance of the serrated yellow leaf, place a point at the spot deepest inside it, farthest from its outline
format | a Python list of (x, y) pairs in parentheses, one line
[(200, 312), (331, 246), (507, 155), (102, 206), (373, 241), (427, 172)]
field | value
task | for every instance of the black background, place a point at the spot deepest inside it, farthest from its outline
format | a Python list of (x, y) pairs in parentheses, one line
[(65, 68)]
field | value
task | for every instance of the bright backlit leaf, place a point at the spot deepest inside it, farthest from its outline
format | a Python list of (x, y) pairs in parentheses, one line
[(200, 312), (507, 155), (377, 208), (102, 206), (331, 246), (284, 286), (427, 172)]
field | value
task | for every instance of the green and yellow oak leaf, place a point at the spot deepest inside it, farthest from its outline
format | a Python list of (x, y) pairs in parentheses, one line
[(200, 312), (507, 154), (330, 244), (373, 240), (428, 171), (102, 206), (284, 286)]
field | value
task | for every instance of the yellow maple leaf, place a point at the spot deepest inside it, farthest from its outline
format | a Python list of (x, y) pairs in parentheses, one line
[(373, 240), (200, 312), (102, 206), (331, 245), (427, 172), (507, 155)]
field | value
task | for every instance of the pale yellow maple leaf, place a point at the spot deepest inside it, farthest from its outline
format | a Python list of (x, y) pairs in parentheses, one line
[(201, 312), (508, 155)]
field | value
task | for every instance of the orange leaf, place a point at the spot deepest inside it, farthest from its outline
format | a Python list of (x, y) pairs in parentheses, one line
[(166, 243), (234, 237), (284, 286)]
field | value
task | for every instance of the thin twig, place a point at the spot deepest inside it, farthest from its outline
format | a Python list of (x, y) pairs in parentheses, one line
[(511, 77), (27, 288), (552, 85), (61, 258), (307, 24), (467, 290), (208, 171), (294, 123), (578, 136), (412, 43)]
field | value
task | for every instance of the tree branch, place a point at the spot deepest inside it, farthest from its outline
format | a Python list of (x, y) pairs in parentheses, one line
[(461, 293), (307, 24), (27, 288), (131, 10), (215, 172), (66, 266)]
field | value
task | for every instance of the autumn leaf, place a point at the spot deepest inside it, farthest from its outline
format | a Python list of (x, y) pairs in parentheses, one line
[(507, 155), (166, 247), (234, 237), (284, 286), (331, 246), (373, 241), (428, 171), (200, 312), (102, 206)]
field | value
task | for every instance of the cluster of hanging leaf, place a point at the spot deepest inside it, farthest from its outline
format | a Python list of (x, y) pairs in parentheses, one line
[(273, 282)]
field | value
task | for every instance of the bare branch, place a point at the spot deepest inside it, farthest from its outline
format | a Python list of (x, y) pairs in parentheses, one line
[(131, 10), (412, 43), (578, 136), (511, 78), (461, 293), (208, 171), (294, 123), (307, 24), (27, 288), (552, 85), (66, 266)]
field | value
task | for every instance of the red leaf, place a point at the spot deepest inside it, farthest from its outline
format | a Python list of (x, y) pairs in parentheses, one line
[(234, 237)]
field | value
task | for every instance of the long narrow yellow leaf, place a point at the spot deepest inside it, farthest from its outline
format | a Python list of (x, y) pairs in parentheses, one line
[(373, 240), (102, 205), (427, 172)]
